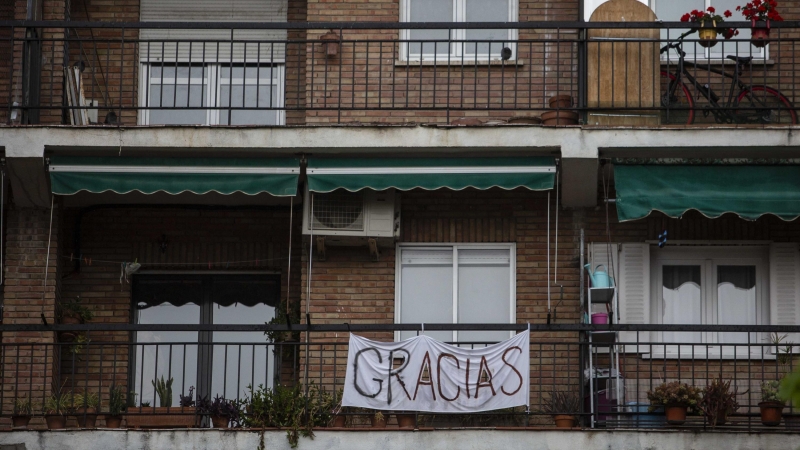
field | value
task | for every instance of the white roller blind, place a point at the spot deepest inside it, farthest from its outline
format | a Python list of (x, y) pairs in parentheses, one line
[(214, 48), (483, 291), (426, 289), (784, 286)]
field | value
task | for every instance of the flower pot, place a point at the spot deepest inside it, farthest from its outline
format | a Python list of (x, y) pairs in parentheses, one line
[(676, 415), (56, 422), (220, 421), (759, 35), (378, 422), (707, 37), (339, 421), (771, 413), (524, 120), (560, 117), (87, 420), (161, 417), (113, 421), (20, 421), (406, 420), (600, 319), (564, 421), (560, 101)]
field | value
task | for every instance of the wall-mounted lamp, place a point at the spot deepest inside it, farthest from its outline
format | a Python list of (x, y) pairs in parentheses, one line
[(330, 42)]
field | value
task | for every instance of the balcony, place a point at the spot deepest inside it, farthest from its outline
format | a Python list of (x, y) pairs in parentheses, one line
[(272, 74), (309, 362)]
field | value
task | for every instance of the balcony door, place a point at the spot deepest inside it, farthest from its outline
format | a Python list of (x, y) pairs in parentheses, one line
[(220, 363)]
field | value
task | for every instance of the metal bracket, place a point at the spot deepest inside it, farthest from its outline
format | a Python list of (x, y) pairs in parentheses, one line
[(373, 248), (321, 248)]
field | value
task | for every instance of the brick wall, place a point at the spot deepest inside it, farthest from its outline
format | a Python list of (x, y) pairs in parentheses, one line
[(30, 369)]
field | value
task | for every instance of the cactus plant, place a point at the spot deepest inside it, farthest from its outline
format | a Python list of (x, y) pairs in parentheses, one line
[(164, 391)]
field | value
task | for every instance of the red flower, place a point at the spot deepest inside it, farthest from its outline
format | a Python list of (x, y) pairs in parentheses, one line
[(711, 9), (727, 13), (685, 17)]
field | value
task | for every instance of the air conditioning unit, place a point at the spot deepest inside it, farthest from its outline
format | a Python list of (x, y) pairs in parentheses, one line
[(350, 218)]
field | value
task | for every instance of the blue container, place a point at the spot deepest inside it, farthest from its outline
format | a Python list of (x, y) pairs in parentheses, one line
[(642, 418)]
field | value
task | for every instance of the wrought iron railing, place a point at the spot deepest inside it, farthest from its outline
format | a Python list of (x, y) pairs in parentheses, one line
[(611, 377), (302, 73)]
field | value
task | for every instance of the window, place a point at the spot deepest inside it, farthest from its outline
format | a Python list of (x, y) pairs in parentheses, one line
[(194, 94), (456, 283), (224, 370), (457, 45), (703, 285)]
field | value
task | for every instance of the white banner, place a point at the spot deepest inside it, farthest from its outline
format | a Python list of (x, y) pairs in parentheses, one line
[(423, 374)]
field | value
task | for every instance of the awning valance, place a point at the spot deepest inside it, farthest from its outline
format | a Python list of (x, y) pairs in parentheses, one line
[(750, 191), (354, 174), (276, 176)]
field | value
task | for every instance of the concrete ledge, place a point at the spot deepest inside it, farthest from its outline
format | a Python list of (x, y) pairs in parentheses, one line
[(401, 440)]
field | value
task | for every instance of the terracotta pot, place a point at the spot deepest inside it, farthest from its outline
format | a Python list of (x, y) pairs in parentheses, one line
[(87, 420), (771, 413), (406, 420), (378, 423), (676, 415), (560, 118), (560, 101), (564, 421), (161, 417), (56, 422), (220, 421), (20, 421), (113, 421), (339, 421), (466, 121), (708, 37), (525, 120)]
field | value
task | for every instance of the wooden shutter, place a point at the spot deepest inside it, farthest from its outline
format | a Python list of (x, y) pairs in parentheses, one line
[(212, 11), (634, 290), (784, 286)]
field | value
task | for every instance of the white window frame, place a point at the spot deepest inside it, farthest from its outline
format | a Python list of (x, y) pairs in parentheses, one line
[(512, 249), (213, 81), (709, 257), (456, 51)]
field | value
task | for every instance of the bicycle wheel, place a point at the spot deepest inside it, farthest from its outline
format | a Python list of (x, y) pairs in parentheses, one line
[(765, 105), (676, 102)]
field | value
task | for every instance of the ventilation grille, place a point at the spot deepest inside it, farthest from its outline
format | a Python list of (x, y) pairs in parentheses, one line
[(339, 211)]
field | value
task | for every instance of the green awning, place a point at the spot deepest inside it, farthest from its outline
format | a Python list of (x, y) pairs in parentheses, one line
[(750, 191), (354, 174), (276, 176)]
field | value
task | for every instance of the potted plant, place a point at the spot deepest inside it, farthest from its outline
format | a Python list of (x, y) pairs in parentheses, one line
[(677, 399), (73, 313), (406, 420), (165, 415), (710, 23), (55, 409), (718, 401), (378, 419), (563, 406), (23, 411), (790, 390), (221, 411), (760, 13), (117, 403), (86, 409), (771, 405)]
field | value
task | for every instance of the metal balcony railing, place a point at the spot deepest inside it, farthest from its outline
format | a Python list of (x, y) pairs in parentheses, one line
[(226, 360), (246, 74)]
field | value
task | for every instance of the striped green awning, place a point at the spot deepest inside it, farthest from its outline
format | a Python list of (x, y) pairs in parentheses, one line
[(354, 174), (276, 176), (750, 191)]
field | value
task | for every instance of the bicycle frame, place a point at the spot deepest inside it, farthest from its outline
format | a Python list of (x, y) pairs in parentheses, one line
[(722, 113)]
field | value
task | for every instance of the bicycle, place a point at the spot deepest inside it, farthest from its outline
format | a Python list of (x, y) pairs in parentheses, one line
[(753, 103)]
